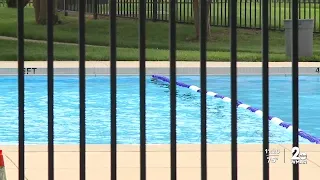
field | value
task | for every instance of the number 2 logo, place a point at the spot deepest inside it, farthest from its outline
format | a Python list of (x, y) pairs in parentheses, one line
[(295, 153)]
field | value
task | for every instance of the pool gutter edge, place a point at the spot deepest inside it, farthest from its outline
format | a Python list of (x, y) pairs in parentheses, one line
[(156, 67)]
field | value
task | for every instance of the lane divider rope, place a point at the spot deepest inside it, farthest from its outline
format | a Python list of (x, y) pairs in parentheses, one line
[(257, 111)]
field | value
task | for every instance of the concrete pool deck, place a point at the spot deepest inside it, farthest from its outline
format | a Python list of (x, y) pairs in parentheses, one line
[(156, 67), (158, 162)]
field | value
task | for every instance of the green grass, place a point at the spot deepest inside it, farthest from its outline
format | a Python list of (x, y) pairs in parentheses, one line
[(37, 51), (97, 33)]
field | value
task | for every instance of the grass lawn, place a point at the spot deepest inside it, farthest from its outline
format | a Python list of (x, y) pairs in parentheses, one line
[(97, 33), (37, 51)]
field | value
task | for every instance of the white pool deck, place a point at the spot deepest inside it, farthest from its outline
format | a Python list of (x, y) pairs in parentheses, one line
[(156, 67), (158, 156)]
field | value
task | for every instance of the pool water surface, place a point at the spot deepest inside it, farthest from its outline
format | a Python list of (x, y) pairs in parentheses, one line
[(66, 110)]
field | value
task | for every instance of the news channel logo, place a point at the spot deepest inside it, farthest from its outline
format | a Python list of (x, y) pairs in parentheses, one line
[(298, 157)]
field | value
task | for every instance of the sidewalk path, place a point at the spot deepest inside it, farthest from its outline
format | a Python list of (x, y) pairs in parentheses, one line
[(42, 41)]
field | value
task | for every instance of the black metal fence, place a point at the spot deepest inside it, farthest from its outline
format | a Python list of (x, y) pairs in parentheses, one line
[(142, 44), (248, 11)]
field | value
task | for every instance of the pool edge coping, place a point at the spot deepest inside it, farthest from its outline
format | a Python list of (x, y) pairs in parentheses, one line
[(157, 67)]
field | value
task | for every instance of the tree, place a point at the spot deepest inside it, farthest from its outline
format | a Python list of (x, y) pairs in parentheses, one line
[(196, 11), (14, 3), (41, 11)]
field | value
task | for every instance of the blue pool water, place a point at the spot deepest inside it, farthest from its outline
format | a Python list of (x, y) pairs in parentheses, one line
[(158, 112)]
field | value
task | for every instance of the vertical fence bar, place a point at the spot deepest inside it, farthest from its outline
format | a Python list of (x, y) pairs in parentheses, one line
[(250, 13), (299, 8), (245, 13), (180, 8), (166, 9), (191, 9), (155, 10), (285, 9), (137, 6), (221, 12), (98, 7), (260, 16), (121, 8), (21, 86), (255, 13), (309, 9), (147, 8), (295, 83), (127, 9), (173, 98), (203, 82), (304, 9), (142, 50), (128, 2), (87, 5), (118, 7), (184, 10), (225, 12), (233, 54), (95, 9), (105, 9), (270, 13), (161, 10), (113, 87), (240, 23), (214, 12), (65, 7), (265, 88), (218, 4), (50, 14), (280, 21), (210, 14), (82, 88), (290, 9), (275, 14), (315, 16)]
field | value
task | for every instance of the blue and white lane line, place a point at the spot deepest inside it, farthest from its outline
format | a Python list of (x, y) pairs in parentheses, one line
[(258, 112)]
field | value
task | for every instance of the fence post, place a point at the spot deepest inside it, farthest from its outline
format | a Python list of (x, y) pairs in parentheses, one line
[(95, 9), (155, 10)]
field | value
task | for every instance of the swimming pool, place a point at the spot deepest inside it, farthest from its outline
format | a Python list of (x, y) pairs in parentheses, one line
[(158, 112)]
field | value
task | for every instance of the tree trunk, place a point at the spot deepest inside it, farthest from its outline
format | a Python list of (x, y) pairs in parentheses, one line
[(36, 7), (196, 11), (208, 20), (14, 3), (40, 12)]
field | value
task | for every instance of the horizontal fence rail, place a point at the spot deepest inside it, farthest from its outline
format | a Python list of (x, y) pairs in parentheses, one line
[(248, 11)]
